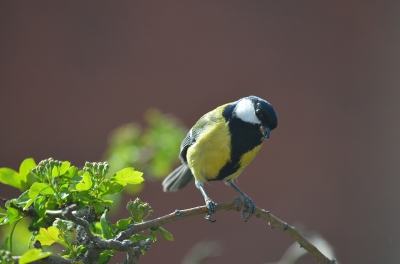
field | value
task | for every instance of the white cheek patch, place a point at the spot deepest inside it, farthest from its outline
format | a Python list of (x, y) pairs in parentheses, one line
[(245, 111)]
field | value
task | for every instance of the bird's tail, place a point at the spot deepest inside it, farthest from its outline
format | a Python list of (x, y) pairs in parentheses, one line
[(177, 179)]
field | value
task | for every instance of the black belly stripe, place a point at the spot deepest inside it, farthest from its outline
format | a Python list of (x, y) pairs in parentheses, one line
[(244, 137)]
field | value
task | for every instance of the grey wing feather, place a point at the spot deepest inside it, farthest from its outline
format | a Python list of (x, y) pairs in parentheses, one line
[(182, 175), (177, 179), (194, 133), (187, 142)]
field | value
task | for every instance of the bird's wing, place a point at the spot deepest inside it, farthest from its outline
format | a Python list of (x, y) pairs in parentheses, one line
[(188, 141), (193, 134)]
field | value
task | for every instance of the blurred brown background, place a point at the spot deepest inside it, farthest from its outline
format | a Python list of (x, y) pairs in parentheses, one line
[(71, 71)]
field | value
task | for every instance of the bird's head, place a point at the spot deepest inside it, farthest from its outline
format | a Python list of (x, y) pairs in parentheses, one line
[(257, 111)]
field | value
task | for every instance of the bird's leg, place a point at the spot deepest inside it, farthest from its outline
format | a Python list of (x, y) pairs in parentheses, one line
[(246, 199), (209, 203)]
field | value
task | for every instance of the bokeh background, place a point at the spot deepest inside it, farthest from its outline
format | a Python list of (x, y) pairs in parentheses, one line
[(72, 71)]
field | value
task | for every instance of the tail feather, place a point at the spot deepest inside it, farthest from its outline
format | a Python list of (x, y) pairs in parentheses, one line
[(177, 179)]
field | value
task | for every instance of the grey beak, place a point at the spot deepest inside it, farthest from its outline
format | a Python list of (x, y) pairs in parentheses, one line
[(265, 131)]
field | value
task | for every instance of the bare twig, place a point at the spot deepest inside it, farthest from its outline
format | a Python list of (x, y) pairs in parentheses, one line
[(238, 205)]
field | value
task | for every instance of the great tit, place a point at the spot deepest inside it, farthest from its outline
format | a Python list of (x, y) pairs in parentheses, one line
[(220, 145)]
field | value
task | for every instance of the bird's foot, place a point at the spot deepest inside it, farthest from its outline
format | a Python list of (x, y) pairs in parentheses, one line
[(211, 209), (249, 208)]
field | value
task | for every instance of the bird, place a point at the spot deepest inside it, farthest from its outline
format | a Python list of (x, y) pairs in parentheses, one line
[(220, 146)]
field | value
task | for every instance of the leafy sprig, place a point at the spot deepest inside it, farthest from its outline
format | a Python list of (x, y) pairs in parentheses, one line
[(50, 187)]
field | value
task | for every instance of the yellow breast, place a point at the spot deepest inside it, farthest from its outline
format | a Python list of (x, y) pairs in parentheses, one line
[(210, 152)]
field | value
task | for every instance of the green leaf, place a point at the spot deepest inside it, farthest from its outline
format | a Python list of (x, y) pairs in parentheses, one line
[(36, 189), (25, 173), (40, 188), (84, 198), (74, 252), (105, 256), (107, 188), (26, 166), (7, 244), (3, 214), (49, 236), (65, 165), (55, 172), (96, 228), (167, 235), (23, 199), (106, 226), (128, 176), (80, 250), (63, 191), (107, 202), (85, 183), (137, 237), (40, 206), (123, 223), (12, 215), (60, 170), (153, 234), (71, 172), (33, 255), (11, 177)]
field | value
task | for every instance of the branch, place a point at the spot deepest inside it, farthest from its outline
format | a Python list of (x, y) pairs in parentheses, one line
[(122, 243), (238, 205), (97, 244)]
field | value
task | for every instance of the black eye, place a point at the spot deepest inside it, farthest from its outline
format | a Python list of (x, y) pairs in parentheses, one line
[(258, 112)]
